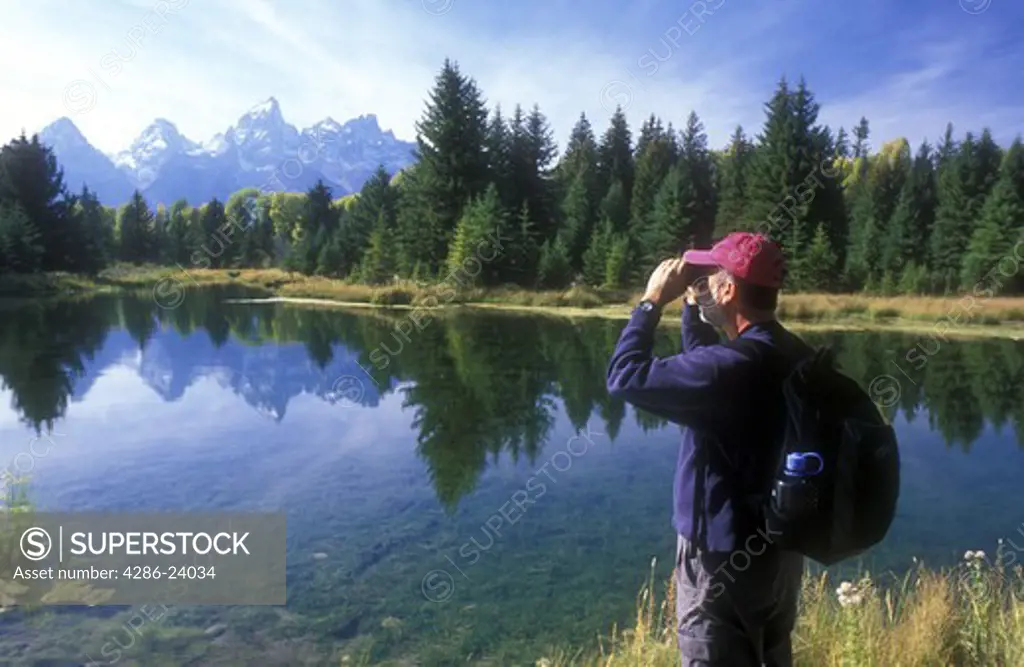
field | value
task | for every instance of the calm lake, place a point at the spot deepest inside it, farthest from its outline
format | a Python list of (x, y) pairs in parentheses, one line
[(466, 495)]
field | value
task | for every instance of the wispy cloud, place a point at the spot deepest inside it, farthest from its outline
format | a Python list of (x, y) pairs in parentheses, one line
[(381, 56), (950, 81)]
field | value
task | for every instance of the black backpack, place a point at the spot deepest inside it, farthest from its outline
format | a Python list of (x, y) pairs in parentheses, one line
[(838, 497)]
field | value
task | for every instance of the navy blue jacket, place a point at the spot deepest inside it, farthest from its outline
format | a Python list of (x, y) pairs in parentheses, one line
[(729, 404)]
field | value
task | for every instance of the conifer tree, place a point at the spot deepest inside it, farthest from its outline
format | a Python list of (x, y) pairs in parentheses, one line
[(319, 212), (906, 239), (331, 256), (31, 179), (615, 158), (889, 172), (732, 185), (238, 213), (580, 153), (180, 243), (596, 255), (786, 172), (554, 270), (135, 231), (964, 183), (577, 184), (21, 250), (519, 158), (518, 263), (946, 150), (474, 231), (214, 244), (615, 207), (499, 158), (1001, 226), (410, 227), (376, 197), (451, 168), (842, 148), (617, 264), (696, 157), (653, 160), (378, 263), (540, 194), (863, 254), (159, 239), (94, 237), (887, 285), (650, 130), (913, 279), (673, 222), (861, 148), (577, 217), (819, 266), (771, 179)]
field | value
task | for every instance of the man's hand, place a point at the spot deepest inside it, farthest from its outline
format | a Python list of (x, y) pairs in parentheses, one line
[(668, 282)]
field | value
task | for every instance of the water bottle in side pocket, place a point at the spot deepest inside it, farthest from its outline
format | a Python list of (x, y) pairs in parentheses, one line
[(795, 492)]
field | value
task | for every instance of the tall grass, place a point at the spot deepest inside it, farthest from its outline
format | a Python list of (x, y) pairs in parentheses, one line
[(961, 311), (972, 615)]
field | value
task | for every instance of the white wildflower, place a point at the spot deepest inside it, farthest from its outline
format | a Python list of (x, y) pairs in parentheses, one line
[(852, 600), (849, 594)]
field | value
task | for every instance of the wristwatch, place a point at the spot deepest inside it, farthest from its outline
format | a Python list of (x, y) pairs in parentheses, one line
[(647, 306)]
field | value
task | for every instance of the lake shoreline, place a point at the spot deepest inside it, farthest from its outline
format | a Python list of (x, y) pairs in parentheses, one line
[(950, 317), (622, 312)]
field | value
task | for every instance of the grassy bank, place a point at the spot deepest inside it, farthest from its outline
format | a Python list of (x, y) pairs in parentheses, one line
[(967, 616), (993, 316)]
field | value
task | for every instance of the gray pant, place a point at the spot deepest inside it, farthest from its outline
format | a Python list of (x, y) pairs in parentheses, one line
[(736, 609)]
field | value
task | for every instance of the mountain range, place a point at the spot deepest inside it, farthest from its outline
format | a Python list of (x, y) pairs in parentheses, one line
[(261, 150)]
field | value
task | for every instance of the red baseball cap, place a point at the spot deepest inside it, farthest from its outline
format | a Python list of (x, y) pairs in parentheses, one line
[(753, 258)]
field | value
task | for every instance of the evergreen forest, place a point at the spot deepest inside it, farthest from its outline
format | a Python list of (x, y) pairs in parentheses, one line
[(850, 215)]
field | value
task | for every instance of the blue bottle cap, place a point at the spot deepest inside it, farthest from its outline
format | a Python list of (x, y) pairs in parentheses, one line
[(798, 463)]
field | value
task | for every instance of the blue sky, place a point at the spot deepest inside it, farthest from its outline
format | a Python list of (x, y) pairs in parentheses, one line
[(115, 65)]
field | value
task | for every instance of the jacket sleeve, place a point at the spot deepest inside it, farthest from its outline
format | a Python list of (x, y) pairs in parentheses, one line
[(696, 332), (686, 389)]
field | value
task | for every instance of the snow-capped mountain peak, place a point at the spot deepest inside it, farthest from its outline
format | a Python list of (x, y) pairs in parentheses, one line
[(214, 146), (83, 164), (364, 123), (262, 133), (268, 108), (159, 142), (327, 125), (63, 132)]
